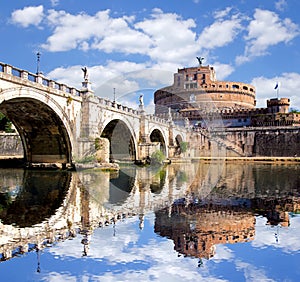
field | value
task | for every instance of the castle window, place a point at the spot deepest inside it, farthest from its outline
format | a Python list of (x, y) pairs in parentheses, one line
[(251, 89), (220, 86), (195, 76), (227, 85), (235, 86), (245, 87)]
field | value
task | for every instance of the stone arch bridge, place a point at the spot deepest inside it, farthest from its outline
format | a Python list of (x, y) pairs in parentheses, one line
[(60, 124)]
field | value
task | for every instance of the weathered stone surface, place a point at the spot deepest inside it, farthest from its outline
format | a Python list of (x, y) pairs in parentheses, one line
[(11, 145)]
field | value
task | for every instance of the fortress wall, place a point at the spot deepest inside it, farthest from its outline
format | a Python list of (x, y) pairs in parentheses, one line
[(264, 141), (277, 143)]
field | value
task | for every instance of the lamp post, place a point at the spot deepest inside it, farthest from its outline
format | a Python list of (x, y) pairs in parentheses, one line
[(38, 54)]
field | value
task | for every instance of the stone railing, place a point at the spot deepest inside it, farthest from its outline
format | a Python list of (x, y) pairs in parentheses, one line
[(157, 119), (38, 78), (117, 106)]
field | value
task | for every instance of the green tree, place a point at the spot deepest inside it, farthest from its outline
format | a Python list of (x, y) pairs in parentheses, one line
[(183, 146), (157, 157), (294, 110), (5, 124)]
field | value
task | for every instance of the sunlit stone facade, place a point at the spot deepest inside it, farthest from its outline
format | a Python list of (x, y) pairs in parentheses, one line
[(199, 87)]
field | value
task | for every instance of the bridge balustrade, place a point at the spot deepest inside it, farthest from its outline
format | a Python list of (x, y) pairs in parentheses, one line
[(16, 72), (157, 119), (31, 77), (37, 78)]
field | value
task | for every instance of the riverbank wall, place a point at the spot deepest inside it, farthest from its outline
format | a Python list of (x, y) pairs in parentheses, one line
[(224, 143), (11, 146), (246, 142)]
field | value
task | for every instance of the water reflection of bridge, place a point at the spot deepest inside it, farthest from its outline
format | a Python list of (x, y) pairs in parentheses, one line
[(39, 208), (192, 202)]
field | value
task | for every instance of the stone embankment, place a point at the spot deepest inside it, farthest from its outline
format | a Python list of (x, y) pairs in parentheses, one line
[(260, 143), (11, 145), (267, 144), (11, 150)]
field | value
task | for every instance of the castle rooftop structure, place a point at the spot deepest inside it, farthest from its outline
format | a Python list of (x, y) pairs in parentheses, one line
[(198, 87), (197, 96)]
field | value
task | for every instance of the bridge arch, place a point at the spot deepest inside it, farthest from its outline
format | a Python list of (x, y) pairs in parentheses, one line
[(122, 139), (42, 124), (157, 135), (178, 142)]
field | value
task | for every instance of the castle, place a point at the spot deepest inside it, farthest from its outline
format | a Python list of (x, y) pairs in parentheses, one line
[(197, 96)]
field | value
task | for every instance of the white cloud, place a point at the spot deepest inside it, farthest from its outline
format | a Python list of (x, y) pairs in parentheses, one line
[(101, 32), (166, 38), (222, 13), (223, 253), (265, 30), (219, 34), (125, 249), (28, 16), (223, 70), (280, 5), (160, 37), (287, 236), (252, 273), (54, 2), (115, 75), (223, 31), (172, 37), (289, 88)]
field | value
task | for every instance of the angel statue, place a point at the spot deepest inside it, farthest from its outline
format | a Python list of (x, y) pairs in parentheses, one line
[(85, 74), (141, 99), (200, 60)]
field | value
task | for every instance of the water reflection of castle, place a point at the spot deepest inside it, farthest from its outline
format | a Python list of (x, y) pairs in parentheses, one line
[(197, 228)]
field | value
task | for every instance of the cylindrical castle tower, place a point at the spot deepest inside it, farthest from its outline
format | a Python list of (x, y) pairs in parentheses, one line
[(197, 87)]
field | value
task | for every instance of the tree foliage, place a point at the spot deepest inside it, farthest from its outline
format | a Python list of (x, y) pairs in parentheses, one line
[(157, 157), (5, 124)]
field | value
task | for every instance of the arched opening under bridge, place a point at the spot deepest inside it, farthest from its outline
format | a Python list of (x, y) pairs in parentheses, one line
[(121, 141), (157, 136), (178, 143), (44, 137)]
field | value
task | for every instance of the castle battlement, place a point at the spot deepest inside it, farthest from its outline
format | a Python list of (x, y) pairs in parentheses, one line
[(200, 87)]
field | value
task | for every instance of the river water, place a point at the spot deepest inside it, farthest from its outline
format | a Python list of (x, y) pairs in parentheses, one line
[(204, 221)]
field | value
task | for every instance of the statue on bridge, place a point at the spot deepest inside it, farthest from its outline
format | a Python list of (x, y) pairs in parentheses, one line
[(85, 74), (86, 84), (141, 99)]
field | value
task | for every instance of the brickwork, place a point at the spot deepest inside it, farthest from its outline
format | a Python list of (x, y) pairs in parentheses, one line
[(198, 87)]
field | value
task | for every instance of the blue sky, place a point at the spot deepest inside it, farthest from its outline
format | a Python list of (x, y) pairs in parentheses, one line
[(137, 45)]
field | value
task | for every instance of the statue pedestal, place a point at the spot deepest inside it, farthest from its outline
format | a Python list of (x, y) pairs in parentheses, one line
[(86, 85), (87, 88)]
